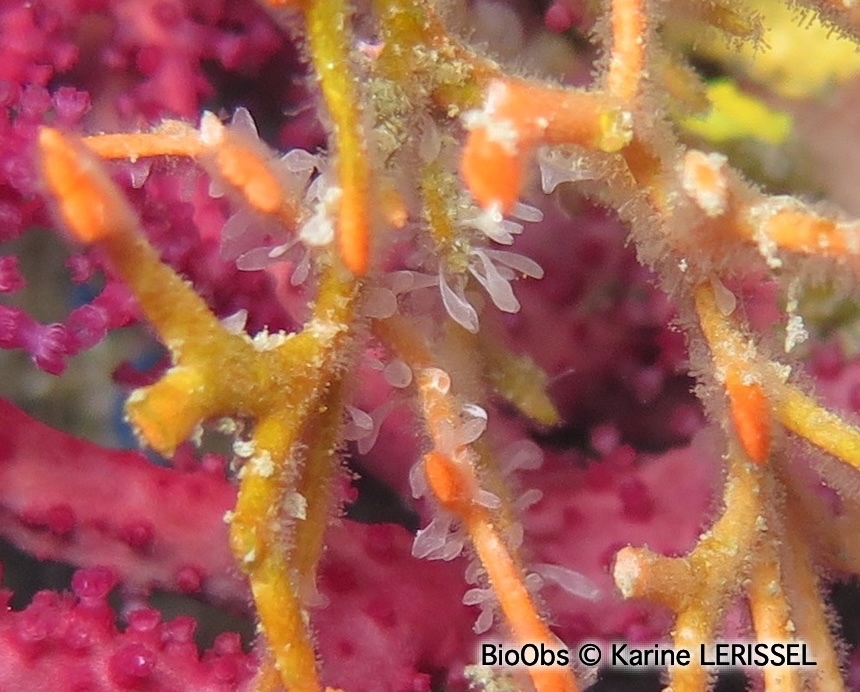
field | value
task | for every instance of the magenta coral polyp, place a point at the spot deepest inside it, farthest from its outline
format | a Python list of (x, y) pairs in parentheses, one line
[(71, 642)]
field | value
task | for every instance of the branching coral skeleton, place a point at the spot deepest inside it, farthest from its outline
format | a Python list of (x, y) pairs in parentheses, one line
[(692, 218)]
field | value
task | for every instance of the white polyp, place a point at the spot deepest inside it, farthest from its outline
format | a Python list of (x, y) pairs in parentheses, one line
[(474, 411), (303, 268), (418, 480), (405, 281), (430, 538), (216, 189), (521, 263), (473, 427), (139, 172), (318, 230), (436, 541), (323, 188), (300, 161), (493, 225), (551, 173), (359, 427), (361, 419), (515, 535), (493, 213), (278, 251), (485, 620), (235, 323), (534, 582), (430, 143), (377, 417), (526, 212), (556, 168), (502, 233), (401, 281), (254, 260), (497, 286), (575, 583), (530, 497), (522, 455), (474, 570), (723, 297), (243, 122), (487, 499), (477, 596), (398, 374), (373, 362), (236, 225), (451, 549), (211, 129), (312, 597), (379, 303), (420, 281), (457, 306), (253, 241)]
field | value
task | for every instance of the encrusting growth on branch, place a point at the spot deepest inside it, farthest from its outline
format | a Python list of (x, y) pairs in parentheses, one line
[(430, 146)]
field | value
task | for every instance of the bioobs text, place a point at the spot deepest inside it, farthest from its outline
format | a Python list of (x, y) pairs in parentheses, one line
[(527, 655)]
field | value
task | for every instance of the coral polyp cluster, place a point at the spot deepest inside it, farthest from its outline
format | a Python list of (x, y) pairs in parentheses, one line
[(394, 292)]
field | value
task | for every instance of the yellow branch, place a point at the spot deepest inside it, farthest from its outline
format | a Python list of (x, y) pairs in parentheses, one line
[(807, 418), (282, 386), (330, 46)]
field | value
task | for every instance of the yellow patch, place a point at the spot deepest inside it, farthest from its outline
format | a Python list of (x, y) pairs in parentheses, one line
[(798, 56), (737, 115)]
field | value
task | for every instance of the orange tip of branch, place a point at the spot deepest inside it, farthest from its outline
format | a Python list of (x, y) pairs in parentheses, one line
[(750, 416), (75, 180), (244, 170), (353, 237), (493, 173), (445, 480)]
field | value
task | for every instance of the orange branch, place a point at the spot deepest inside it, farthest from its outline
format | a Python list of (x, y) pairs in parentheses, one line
[(801, 231), (173, 138), (452, 478), (244, 164), (748, 405), (517, 116), (627, 62)]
